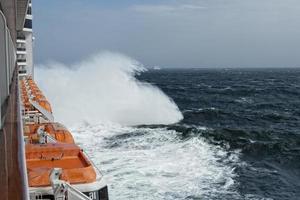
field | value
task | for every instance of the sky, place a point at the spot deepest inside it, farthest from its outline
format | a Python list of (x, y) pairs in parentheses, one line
[(170, 33)]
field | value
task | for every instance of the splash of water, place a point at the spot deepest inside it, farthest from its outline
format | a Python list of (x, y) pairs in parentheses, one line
[(154, 163), (103, 88)]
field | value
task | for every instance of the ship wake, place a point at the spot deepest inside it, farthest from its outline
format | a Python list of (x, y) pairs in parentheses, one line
[(148, 163)]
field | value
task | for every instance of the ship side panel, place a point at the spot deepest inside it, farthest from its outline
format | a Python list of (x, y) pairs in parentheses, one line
[(12, 177)]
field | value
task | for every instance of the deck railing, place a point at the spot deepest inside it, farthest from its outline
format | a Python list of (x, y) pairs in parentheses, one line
[(13, 176), (7, 65)]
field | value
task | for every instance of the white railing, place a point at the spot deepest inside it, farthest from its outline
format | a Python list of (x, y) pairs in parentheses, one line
[(63, 190)]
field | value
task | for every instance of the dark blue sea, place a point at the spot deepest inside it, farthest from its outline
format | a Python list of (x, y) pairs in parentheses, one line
[(238, 139), (254, 113)]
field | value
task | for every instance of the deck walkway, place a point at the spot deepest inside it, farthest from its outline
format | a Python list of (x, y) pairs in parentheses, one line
[(12, 177)]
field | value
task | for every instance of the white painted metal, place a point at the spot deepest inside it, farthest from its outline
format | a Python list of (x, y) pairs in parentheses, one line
[(47, 114), (86, 187), (21, 152), (63, 190), (44, 137)]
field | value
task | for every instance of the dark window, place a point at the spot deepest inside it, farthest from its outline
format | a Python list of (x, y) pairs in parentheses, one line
[(22, 71), (21, 49), (28, 23), (21, 60), (20, 36), (29, 12)]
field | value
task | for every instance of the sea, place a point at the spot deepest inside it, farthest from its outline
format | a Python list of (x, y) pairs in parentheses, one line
[(239, 139), (182, 134)]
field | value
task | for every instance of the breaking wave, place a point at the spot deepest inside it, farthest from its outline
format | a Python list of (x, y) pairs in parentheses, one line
[(141, 162), (103, 88)]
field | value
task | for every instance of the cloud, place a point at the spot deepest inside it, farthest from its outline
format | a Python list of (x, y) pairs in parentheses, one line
[(173, 33), (166, 8)]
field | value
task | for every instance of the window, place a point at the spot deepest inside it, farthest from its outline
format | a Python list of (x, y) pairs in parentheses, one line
[(20, 36), (29, 12), (21, 49), (28, 23), (22, 60)]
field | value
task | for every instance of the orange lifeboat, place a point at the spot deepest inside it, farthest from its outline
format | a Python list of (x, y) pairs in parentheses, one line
[(55, 130), (41, 159), (36, 94), (44, 103), (50, 146)]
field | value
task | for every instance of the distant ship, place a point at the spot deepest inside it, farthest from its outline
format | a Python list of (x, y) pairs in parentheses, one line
[(40, 157)]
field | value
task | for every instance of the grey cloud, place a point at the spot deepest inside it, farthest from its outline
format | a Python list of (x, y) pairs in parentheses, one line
[(231, 33), (166, 8)]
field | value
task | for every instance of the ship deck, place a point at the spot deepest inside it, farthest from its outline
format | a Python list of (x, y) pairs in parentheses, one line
[(12, 177)]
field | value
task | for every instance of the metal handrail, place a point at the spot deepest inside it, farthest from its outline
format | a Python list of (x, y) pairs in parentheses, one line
[(10, 122), (7, 64), (62, 189)]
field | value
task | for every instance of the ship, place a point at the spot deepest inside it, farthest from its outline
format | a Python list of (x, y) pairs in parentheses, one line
[(40, 157)]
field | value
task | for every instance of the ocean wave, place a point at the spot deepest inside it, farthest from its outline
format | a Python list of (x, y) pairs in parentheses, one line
[(157, 163), (104, 88)]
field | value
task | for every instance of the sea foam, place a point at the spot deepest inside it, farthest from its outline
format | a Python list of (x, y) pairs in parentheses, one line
[(103, 88)]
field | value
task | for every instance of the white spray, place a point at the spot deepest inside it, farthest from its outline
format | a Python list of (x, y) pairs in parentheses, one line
[(103, 88), (139, 163)]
